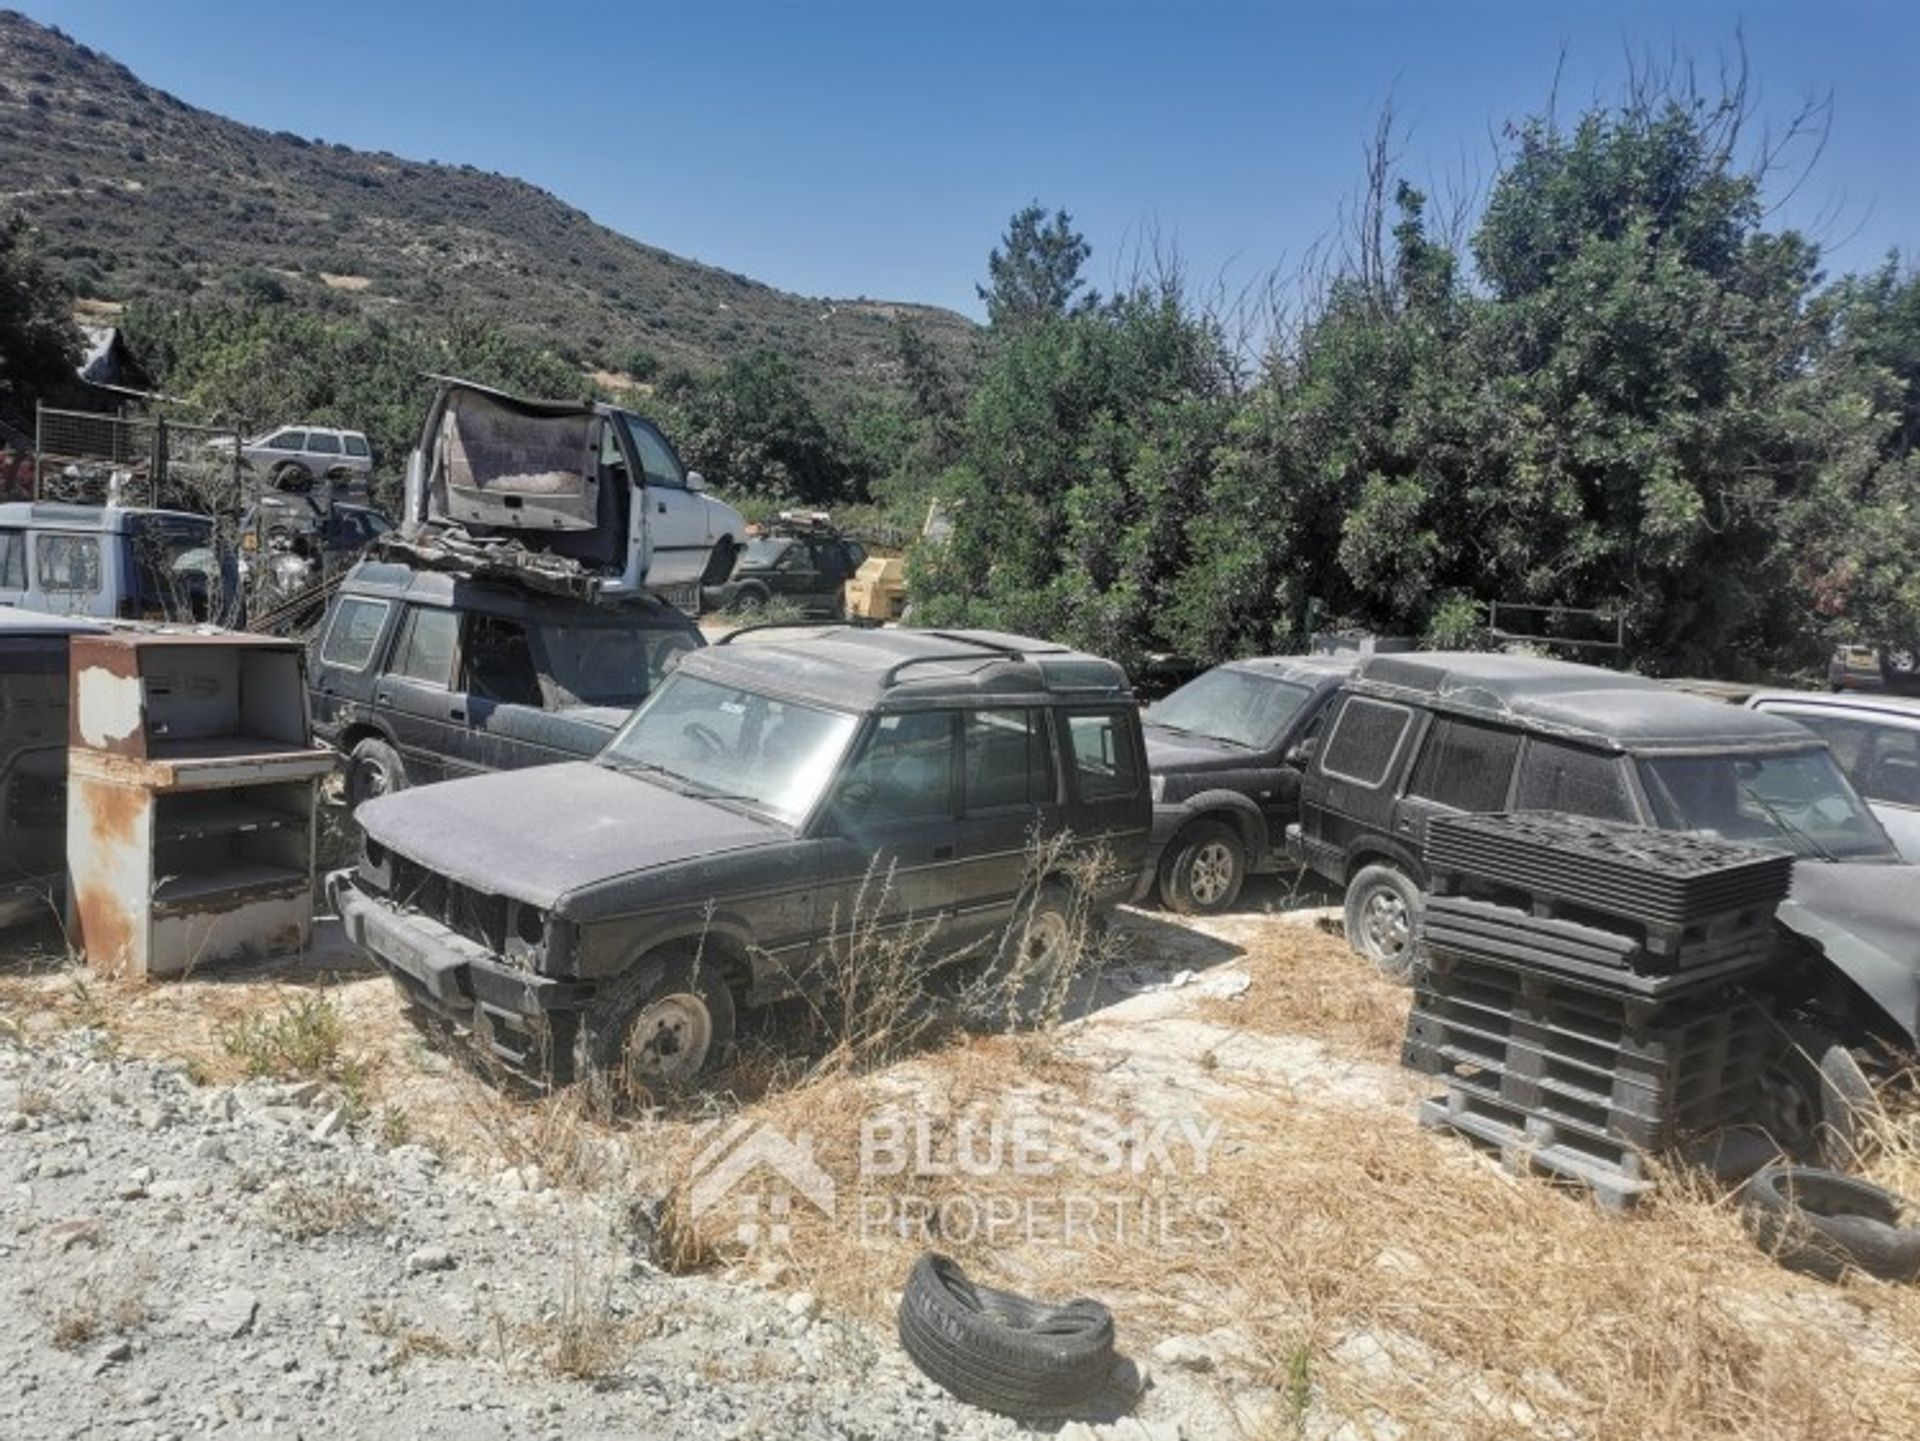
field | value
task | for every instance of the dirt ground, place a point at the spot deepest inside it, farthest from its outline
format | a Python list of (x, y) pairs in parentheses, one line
[(1218, 1142)]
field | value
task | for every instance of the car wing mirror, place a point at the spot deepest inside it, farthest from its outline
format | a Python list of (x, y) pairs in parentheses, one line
[(696, 482), (1300, 754)]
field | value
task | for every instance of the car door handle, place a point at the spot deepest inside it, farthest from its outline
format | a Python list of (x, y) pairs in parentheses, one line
[(943, 853), (662, 505), (383, 697), (457, 713)]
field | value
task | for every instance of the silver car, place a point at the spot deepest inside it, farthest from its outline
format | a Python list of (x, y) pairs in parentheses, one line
[(1876, 740), (295, 456)]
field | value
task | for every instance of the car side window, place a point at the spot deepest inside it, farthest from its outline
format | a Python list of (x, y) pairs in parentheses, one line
[(429, 640), (905, 771), (1883, 762), (656, 456), (354, 633), (13, 560), (1465, 766), (320, 443), (1104, 764), (1009, 759), (68, 563), (1365, 741), (500, 661), (1556, 776), (357, 446), (289, 440)]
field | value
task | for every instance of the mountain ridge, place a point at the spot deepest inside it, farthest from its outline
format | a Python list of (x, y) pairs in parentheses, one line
[(139, 194)]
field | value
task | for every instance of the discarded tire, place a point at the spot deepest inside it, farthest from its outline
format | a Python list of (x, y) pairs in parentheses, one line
[(1003, 1352), (1821, 1222)]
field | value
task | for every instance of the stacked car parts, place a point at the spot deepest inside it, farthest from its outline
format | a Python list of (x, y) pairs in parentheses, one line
[(1578, 989)]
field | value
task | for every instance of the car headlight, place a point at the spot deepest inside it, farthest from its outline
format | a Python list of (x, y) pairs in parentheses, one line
[(1156, 787)]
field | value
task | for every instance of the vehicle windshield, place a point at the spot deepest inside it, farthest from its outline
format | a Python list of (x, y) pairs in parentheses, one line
[(179, 566), (762, 551), (609, 665), (1796, 802), (718, 740), (1229, 704)]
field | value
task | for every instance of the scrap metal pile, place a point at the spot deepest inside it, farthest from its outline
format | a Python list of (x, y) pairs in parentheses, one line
[(1579, 989)]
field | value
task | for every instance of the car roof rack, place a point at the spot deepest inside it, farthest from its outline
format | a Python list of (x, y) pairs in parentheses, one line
[(851, 623), (995, 651)]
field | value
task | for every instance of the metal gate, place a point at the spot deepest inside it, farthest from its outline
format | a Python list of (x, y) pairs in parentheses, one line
[(146, 460)]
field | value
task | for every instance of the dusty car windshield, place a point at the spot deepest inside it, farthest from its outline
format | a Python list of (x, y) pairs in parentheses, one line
[(1796, 802), (775, 755), (608, 665), (1240, 706)]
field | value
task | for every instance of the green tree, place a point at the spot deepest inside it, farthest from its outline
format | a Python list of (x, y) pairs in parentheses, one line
[(1034, 273), (753, 428), (39, 345)]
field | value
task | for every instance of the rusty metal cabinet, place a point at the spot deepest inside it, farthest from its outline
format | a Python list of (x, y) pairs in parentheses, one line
[(191, 797)]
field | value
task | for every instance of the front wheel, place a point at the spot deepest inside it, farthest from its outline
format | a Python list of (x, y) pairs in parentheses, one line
[(657, 1027), (1816, 1102), (373, 769), (1204, 869), (1383, 919)]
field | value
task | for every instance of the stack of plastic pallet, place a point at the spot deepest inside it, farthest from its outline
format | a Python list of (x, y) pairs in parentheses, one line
[(1578, 989)]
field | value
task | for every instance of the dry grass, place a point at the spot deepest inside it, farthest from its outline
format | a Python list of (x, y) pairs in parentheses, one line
[(304, 1210), (1307, 983), (109, 1299)]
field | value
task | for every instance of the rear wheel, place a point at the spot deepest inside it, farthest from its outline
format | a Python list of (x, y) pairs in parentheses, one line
[(373, 769), (293, 478), (1383, 918), (1816, 1102), (657, 1027), (751, 598), (1204, 869)]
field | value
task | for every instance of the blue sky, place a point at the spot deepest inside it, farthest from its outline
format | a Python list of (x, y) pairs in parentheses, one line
[(845, 147)]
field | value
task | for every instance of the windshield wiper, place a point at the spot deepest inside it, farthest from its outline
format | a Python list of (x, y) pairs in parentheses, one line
[(649, 768), (1786, 825)]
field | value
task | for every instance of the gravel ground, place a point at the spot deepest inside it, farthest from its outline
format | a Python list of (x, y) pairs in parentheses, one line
[(180, 1259)]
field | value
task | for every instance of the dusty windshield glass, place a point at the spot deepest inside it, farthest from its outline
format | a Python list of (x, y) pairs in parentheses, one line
[(1796, 802), (608, 665), (775, 755), (1240, 706)]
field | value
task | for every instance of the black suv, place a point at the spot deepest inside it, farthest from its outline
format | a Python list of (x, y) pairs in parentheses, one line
[(420, 676), (610, 916), (1224, 792), (805, 563), (1413, 736)]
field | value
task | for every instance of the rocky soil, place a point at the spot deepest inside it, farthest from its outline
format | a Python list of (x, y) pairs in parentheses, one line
[(177, 1260)]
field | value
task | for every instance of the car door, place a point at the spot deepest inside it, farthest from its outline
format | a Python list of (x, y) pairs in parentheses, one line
[(424, 713), (345, 671), (676, 518), (888, 854), (69, 573), (503, 700), (1463, 766), (1010, 806), (1351, 788)]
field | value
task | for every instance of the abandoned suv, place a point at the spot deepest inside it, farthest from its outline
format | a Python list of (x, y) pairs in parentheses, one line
[(610, 916), (1416, 736), (419, 676)]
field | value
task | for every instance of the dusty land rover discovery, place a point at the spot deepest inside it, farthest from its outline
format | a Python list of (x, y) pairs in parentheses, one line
[(611, 915)]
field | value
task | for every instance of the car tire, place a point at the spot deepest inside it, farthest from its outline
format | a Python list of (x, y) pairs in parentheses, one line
[(720, 562), (1817, 1104), (374, 768), (1383, 919), (751, 598), (657, 1027), (1821, 1222), (1205, 867), (1000, 1351), (292, 477)]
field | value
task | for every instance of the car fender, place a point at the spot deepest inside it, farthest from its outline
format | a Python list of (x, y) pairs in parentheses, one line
[(1378, 849), (1232, 804)]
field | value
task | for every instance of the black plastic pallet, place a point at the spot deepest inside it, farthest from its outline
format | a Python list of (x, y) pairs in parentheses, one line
[(1616, 1174), (1663, 879)]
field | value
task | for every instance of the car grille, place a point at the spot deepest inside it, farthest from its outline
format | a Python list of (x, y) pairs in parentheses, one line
[(468, 913)]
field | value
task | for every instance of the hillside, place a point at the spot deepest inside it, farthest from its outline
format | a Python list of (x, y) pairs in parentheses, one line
[(139, 194)]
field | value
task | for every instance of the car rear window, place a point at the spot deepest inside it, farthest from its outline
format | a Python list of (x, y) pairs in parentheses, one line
[(354, 632), (1560, 777), (356, 445), (1365, 740), (320, 443), (1104, 764), (1465, 765)]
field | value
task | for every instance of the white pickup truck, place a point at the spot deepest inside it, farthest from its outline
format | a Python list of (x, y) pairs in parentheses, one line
[(572, 496)]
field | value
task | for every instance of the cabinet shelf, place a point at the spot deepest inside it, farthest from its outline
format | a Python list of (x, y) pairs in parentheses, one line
[(197, 816)]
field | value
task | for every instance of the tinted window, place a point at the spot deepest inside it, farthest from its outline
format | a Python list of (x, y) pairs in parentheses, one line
[(1104, 764), (906, 771), (357, 445), (13, 560), (69, 563), (288, 440), (320, 443), (1559, 777), (1009, 761), (1466, 766), (608, 665), (1365, 740), (656, 458), (425, 650), (500, 661), (354, 632)]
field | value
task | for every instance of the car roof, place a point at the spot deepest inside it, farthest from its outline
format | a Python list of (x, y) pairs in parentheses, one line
[(109, 518), (391, 580), (1905, 707), (17, 622), (897, 667), (1305, 669), (1609, 709)]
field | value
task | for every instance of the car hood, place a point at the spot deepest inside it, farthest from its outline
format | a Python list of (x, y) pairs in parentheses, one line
[(1174, 751), (535, 835), (1860, 916)]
